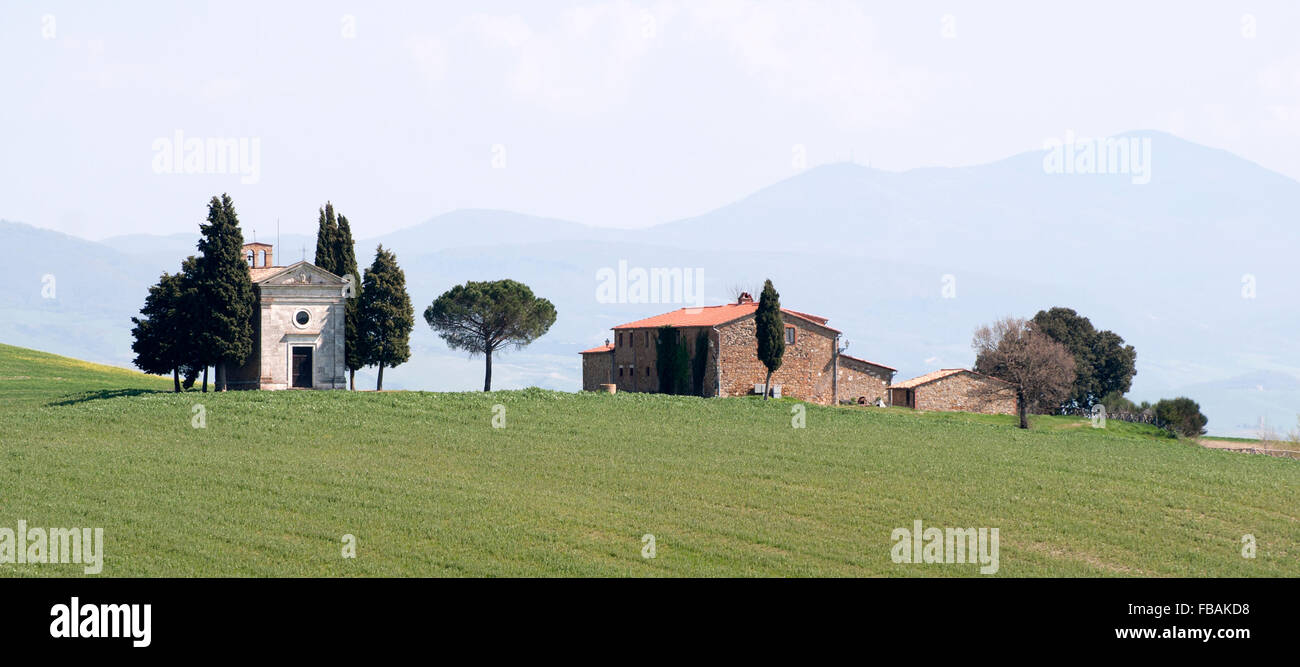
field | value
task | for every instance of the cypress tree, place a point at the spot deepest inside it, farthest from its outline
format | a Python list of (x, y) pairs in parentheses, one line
[(386, 316), (770, 330), (346, 256), (327, 241), (224, 293)]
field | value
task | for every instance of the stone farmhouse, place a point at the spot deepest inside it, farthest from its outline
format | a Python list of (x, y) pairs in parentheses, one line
[(298, 326), (956, 390), (813, 368)]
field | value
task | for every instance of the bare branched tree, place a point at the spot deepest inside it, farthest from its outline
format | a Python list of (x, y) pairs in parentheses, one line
[(1042, 369)]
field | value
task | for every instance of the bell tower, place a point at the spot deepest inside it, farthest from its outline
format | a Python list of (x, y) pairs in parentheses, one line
[(258, 255)]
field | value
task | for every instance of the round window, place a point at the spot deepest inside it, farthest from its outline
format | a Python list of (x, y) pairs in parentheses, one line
[(302, 317)]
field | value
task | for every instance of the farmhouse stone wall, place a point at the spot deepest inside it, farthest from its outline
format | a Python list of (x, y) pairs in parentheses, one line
[(806, 368), (732, 368), (712, 369), (862, 380), (634, 360), (596, 370), (966, 392)]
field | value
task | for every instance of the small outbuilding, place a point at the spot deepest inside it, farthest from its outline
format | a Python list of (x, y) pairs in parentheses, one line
[(955, 390), (597, 367), (864, 382)]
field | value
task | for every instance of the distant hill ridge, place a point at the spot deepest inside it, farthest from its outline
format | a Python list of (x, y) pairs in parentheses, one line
[(1164, 264)]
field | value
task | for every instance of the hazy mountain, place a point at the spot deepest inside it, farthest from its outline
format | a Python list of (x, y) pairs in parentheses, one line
[(1012, 217), (68, 295), (479, 227), (175, 247), (1193, 267)]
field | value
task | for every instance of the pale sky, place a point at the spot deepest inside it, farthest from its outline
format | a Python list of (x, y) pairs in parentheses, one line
[(607, 113)]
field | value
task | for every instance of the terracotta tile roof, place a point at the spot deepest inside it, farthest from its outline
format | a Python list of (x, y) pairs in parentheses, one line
[(815, 318), (263, 272), (939, 375), (603, 348), (926, 379), (846, 356), (710, 316)]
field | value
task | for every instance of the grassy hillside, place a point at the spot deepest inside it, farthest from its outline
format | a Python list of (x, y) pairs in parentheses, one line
[(573, 481)]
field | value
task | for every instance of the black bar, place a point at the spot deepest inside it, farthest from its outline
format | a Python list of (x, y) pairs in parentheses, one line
[(943, 615)]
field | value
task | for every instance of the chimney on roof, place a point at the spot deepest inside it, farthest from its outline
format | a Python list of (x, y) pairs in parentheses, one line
[(744, 298)]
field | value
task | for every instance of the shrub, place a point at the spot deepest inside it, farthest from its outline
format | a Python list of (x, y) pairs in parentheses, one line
[(1183, 415)]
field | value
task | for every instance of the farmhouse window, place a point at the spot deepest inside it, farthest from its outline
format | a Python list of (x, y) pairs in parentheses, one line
[(789, 335)]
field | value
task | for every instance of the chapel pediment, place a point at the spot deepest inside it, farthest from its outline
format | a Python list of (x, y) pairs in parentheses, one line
[(301, 273)]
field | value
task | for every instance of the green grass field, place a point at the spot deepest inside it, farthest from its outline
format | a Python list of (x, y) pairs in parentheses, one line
[(573, 481)]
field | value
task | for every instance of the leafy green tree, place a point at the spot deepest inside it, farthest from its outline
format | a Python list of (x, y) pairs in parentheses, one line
[(1103, 363), (483, 317), (346, 256), (386, 316), (770, 330), (1183, 415), (327, 241), (1115, 364), (224, 292), (153, 342), (162, 336)]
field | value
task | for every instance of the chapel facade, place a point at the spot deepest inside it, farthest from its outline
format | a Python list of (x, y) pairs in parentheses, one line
[(298, 326)]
